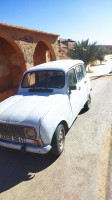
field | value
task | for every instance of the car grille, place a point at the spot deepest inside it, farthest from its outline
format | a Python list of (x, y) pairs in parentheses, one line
[(12, 130)]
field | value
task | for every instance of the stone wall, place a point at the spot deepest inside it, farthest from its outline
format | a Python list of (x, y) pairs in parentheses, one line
[(21, 49)]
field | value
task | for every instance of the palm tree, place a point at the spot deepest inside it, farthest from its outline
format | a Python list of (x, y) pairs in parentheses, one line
[(88, 52)]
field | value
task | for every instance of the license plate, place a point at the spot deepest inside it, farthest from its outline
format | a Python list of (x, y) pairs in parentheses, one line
[(12, 138)]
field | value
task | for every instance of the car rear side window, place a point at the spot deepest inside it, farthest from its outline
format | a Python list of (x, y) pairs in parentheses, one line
[(84, 70), (79, 72)]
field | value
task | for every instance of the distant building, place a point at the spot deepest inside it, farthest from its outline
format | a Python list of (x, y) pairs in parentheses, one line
[(64, 45), (21, 49), (69, 43)]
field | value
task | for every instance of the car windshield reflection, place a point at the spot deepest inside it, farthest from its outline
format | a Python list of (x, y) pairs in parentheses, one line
[(44, 79)]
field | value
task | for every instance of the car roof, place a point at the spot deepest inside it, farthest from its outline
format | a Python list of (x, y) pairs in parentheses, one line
[(64, 65)]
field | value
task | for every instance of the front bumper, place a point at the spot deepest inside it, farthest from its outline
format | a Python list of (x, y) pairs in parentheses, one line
[(25, 147)]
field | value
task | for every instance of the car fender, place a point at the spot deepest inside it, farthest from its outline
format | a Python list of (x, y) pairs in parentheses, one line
[(61, 112)]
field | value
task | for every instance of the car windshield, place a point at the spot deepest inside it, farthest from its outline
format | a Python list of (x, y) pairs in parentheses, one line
[(44, 79)]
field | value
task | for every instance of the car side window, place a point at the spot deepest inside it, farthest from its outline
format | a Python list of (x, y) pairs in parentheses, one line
[(79, 72), (72, 80), (84, 70)]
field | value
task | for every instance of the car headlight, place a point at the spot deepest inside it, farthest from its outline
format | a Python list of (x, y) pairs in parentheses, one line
[(30, 133)]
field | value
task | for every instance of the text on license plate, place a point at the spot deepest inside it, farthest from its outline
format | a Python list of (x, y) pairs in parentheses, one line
[(12, 138)]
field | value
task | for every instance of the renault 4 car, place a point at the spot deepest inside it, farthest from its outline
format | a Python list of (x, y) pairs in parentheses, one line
[(49, 98)]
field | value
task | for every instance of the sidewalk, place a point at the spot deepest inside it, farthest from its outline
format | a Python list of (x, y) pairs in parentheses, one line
[(101, 69)]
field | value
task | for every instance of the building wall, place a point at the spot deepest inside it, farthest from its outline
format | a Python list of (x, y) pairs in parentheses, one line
[(21, 49)]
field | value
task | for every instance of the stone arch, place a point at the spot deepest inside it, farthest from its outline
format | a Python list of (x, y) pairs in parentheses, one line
[(12, 65), (43, 53)]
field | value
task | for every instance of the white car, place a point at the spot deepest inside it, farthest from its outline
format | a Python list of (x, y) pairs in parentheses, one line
[(49, 98)]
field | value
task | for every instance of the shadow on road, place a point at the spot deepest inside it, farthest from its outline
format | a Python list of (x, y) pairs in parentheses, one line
[(15, 166)]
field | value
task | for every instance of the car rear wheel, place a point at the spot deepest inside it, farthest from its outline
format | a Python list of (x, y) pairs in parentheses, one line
[(87, 105), (58, 140)]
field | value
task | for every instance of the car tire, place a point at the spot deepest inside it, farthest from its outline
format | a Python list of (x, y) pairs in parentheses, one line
[(58, 140), (87, 105)]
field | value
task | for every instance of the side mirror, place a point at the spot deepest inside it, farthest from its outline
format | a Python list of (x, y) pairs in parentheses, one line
[(72, 87)]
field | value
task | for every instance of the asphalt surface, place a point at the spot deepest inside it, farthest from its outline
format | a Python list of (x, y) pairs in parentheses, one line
[(82, 172)]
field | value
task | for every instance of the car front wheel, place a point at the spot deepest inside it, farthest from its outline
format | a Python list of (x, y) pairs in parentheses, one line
[(58, 140)]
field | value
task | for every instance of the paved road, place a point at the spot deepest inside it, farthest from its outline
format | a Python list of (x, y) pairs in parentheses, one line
[(109, 175), (80, 173)]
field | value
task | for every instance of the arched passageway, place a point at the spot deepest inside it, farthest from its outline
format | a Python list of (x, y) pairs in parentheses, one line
[(43, 53), (11, 65)]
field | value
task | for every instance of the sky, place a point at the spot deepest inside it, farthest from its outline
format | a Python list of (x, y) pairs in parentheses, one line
[(71, 19)]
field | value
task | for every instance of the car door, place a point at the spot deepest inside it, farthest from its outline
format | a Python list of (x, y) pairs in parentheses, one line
[(81, 83), (73, 93)]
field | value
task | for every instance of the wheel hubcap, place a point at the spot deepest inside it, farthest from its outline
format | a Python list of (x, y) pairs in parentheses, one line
[(61, 139), (89, 102)]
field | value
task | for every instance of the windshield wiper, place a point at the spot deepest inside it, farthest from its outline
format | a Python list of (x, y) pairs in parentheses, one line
[(41, 90)]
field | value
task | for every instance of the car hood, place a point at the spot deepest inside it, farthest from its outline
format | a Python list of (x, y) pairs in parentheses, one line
[(27, 110)]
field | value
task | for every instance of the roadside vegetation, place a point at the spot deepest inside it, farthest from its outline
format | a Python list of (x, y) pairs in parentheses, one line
[(88, 52)]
